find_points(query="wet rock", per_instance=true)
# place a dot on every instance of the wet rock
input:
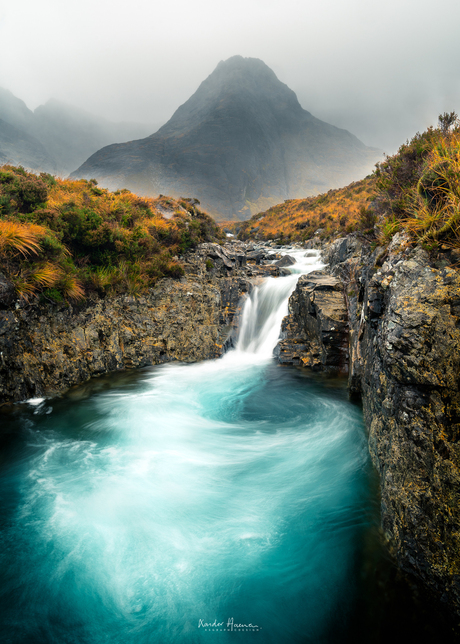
(405, 363)
(287, 260)
(315, 333)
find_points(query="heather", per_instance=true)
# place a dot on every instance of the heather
(66, 239)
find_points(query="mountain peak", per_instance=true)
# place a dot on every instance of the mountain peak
(247, 74)
(241, 143)
(244, 64)
(238, 87)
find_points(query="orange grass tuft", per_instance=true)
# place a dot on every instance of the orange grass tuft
(20, 238)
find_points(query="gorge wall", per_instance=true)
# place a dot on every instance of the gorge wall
(46, 348)
(398, 316)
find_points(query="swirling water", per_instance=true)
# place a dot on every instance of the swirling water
(186, 501)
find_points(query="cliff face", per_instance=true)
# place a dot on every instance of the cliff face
(46, 348)
(404, 344)
(315, 333)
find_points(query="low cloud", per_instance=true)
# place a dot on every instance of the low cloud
(382, 71)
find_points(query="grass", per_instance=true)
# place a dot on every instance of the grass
(419, 188)
(335, 213)
(20, 238)
(64, 239)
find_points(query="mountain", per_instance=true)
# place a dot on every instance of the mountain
(19, 148)
(56, 137)
(240, 144)
(71, 135)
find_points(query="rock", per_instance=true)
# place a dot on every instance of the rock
(217, 252)
(315, 333)
(404, 318)
(286, 260)
(256, 256)
(45, 349)
(411, 359)
(7, 292)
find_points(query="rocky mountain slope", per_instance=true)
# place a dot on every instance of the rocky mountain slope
(20, 148)
(56, 137)
(240, 144)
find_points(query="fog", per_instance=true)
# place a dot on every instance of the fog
(382, 70)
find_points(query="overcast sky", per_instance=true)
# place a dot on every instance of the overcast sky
(382, 70)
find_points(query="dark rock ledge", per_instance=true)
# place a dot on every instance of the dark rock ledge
(315, 333)
(45, 348)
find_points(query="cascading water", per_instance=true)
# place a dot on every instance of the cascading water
(268, 305)
(187, 500)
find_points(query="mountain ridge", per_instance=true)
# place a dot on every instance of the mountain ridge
(67, 135)
(241, 143)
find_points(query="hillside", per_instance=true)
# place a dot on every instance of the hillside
(240, 144)
(67, 240)
(416, 192)
(21, 148)
(336, 212)
(56, 137)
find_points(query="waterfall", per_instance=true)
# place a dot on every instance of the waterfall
(267, 305)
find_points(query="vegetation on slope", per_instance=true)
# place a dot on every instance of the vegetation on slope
(419, 187)
(63, 239)
(334, 213)
(416, 191)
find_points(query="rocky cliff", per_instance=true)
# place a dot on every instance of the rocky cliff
(46, 348)
(401, 317)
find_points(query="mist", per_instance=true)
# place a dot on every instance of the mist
(381, 70)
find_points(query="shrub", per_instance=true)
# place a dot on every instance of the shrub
(26, 190)
(420, 187)
(70, 237)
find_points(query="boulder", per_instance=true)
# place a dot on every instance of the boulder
(286, 260)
